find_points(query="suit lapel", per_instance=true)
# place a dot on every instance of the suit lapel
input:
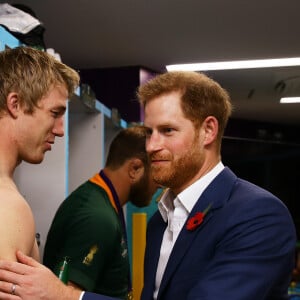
(154, 240)
(216, 194)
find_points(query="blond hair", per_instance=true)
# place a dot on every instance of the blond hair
(32, 73)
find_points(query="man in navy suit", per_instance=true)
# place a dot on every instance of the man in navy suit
(215, 236)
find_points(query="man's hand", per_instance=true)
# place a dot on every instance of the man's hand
(30, 280)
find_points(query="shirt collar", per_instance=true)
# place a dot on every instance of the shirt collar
(190, 195)
(166, 204)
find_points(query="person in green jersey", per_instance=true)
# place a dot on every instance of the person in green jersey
(89, 226)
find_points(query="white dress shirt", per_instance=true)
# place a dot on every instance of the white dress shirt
(175, 212)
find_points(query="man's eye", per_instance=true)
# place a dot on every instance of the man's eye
(55, 113)
(168, 130)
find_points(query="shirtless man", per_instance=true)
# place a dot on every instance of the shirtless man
(34, 88)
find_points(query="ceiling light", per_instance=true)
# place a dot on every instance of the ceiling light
(238, 64)
(290, 100)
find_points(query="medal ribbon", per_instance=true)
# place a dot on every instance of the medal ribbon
(104, 182)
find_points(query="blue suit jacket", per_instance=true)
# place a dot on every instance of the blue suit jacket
(243, 250)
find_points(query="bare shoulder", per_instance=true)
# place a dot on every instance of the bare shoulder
(12, 202)
(17, 228)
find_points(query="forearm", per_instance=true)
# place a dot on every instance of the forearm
(32, 281)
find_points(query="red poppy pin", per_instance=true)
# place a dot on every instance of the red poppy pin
(197, 219)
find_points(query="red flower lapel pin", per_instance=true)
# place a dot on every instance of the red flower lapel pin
(197, 219)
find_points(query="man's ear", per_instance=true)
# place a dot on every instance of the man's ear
(13, 104)
(135, 169)
(211, 129)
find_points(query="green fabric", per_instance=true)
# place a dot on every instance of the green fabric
(85, 222)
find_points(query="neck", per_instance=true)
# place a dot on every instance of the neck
(120, 182)
(206, 167)
(9, 155)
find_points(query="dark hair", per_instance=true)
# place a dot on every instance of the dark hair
(128, 143)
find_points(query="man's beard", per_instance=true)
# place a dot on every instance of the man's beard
(179, 171)
(140, 193)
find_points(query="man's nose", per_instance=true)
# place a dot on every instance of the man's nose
(153, 142)
(58, 128)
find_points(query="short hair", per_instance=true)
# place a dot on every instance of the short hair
(128, 143)
(32, 73)
(200, 96)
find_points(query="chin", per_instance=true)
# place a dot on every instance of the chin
(35, 160)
